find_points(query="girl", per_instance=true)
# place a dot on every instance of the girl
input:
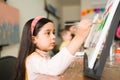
(66, 37)
(37, 40)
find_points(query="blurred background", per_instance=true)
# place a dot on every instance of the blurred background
(14, 14)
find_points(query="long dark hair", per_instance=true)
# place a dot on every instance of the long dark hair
(26, 45)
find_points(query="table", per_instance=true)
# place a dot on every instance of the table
(75, 72)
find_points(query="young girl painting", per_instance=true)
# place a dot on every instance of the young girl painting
(38, 38)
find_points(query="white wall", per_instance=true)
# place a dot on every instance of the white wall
(70, 13)
(27, 9)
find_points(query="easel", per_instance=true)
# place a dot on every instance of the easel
(97, 70)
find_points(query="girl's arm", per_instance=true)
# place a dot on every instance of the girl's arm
(82, 32)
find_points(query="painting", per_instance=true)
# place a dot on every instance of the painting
(9, 24)
(97, 37)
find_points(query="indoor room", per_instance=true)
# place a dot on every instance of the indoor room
(85, 32)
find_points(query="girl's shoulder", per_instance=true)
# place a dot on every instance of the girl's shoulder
(33, 56)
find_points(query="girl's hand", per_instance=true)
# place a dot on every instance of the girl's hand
(83, 28)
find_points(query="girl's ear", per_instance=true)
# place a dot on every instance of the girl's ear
(34, 39)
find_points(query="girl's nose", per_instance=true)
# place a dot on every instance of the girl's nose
(53, 36)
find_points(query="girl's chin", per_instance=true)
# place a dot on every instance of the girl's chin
(52, 47)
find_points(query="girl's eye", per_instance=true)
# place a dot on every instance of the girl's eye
(54, 32)
(48, 33)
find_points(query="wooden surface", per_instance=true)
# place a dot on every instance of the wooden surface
(75, 72)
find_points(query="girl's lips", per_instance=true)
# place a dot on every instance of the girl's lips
(53, 43)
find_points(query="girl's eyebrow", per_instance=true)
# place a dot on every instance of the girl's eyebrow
(47, 30)
(50, 30)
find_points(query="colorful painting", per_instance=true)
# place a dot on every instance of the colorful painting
(99, 32)
(9, 24)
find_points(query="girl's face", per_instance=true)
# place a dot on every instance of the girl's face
(45, 39)
(72, 29)
(67, 36)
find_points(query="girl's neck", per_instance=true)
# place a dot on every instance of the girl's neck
(42, 53)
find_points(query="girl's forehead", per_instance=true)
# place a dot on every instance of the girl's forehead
(48, 26)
